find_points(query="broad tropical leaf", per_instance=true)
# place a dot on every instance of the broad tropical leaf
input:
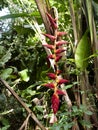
(83, 52)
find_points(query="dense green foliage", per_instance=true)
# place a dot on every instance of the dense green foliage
(23, 64)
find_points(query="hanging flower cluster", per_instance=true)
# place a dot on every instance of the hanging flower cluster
(56, 49)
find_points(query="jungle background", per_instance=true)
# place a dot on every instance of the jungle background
(24, 65)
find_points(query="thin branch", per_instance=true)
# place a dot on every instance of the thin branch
(22, 103)
(25, 123)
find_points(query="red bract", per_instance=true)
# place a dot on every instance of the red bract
(61, 81)
(49, 85)
(61, 33)
(60, 92)
(52, 21)
(49, 46)
(51, 75)
(55, 55)
(58, 72)
(51, 37)
(59, 51)
(58, 58)
(51, 56)
(59, 43)
(55, 103)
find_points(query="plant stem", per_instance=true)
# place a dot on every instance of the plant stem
(22, 103)
(84, 87)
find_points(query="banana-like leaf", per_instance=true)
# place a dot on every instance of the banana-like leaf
(19, 15)
(83, 52)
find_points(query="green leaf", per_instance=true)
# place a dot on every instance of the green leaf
(83, 108)
(24, 75)
(85, 123)
(88, 113)
(83, 52)
(39, 108)
(6, 73)
(30, 93)
(74, 108)
(56, 127)
(70, 85)
(5, 58)
(67, 126)
(5, 121)
(5, 127)
(1, 50)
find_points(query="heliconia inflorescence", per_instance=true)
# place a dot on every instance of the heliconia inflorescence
(56, 48)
